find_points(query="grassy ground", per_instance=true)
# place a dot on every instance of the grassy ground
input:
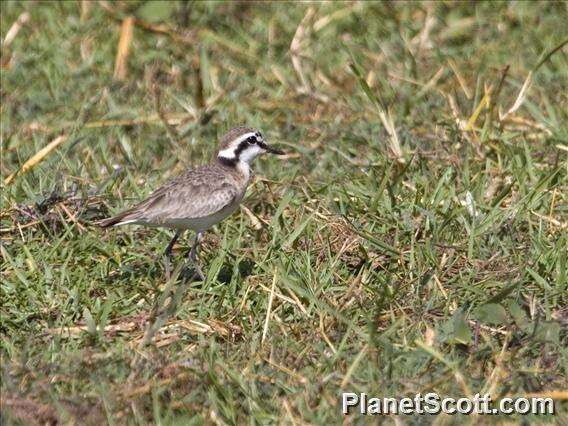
(413, 240)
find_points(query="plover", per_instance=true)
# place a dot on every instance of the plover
(198, 199)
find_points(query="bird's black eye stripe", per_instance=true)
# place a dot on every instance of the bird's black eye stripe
(251, 140)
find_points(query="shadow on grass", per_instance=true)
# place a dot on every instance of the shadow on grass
(245, 268)
(156, 271)
(135, 271)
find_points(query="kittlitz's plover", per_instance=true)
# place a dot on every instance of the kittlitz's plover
(198, 199)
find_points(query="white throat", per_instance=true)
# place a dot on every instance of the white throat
(250, 153)
(244, 168)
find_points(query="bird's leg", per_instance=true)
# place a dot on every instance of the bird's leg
(168, 252)
(193, 256)
(170, 246)
(193, 252)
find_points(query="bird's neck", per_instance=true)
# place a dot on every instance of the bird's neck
(236, 164)
(228, 161)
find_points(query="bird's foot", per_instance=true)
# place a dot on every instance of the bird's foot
(192, 272)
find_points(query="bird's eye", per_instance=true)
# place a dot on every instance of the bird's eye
(251, 140)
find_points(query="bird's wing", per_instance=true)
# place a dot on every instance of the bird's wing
(190, 201)
(193, 194)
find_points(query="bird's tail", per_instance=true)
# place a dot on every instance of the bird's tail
(115, 220)
(105, 223)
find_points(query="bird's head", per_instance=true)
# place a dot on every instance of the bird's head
(243, 144)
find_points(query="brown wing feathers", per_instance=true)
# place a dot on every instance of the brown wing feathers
(194, 193)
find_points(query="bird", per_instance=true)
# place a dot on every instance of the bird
(199, 198)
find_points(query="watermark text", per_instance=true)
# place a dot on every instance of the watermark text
(432, 403)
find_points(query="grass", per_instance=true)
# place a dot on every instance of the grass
(413, 240)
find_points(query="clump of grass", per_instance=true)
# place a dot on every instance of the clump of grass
(413, 239)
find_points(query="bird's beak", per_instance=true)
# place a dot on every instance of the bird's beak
(273, 150)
